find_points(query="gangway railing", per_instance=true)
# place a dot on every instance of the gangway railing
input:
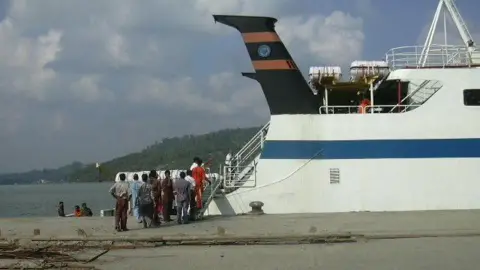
(209, 193)
(245, 177)
(243, 163)
(439, 56)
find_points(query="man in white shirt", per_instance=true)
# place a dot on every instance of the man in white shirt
(228, 159)
(195, 163)
(190, 179)
(122, 193)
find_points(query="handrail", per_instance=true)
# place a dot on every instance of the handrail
(440, 56)
(421, 86)
(216, 183)
(235, 171)
(258, 135)
(240, 178)
(434, 89)
(376, 109)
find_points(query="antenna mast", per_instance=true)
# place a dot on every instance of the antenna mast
(450, 7)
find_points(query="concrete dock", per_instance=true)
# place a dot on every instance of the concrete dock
(448, 236)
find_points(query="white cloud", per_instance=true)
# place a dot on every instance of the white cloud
(451, 32)
(87, 89)
(336, 39)
(24, 66)
(69, 67)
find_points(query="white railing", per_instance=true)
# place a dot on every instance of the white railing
(210, 192)
(339, 109)
(422, 94)
(388, 108)
(251, 149)
(419, 94)
(240, 176)
(438, 56)
(242, 164)
(369, 109)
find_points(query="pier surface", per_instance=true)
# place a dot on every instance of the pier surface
(407, 240)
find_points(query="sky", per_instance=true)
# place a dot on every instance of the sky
(87, 80)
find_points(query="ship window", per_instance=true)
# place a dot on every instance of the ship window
(471, 97)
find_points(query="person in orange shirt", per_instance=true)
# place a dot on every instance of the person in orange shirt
(77, 212)
(363, 105)
(198, 173)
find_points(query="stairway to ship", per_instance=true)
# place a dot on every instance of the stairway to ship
(239, 174)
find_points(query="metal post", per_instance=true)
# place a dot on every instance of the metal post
(431, 33)
(371, 97)
(261, 139)
(399, 93)
(97, 166)
(326, 100)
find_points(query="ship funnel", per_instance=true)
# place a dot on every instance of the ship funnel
(247, 24)
(250, 75)
(282, 83)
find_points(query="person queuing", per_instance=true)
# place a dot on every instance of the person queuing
(146, 202)
(182, 192)
(167, 196)
(200, 177)
(135, 187)
(121, 192)
(193, 205)
(157, 194)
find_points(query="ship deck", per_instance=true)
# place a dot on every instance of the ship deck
(427, 233)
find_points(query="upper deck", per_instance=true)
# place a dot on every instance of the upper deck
(434, 56)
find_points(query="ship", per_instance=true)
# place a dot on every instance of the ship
(400, 134)
(415, 145)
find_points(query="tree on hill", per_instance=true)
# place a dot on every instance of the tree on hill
(33, 176)
(172, 153)
(169, 153)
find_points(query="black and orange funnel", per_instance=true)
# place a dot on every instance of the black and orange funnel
(284, 87)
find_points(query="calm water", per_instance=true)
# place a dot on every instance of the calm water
(41, 200)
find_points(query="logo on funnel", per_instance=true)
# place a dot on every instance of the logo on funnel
(264, 51)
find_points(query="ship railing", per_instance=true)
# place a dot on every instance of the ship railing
(438, 56)
(210, 193)
(251, 149)
(239, 176)
(369, 109)
(242, 164)
(421, 94)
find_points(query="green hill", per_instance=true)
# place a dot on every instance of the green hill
(170, 153)
(34, 176)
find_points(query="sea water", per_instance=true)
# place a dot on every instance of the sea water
(42, 200)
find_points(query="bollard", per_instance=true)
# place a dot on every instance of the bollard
(256, 208)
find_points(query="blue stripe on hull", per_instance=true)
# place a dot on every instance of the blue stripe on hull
(373, 149)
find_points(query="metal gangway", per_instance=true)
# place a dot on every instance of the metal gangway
(239, 173)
